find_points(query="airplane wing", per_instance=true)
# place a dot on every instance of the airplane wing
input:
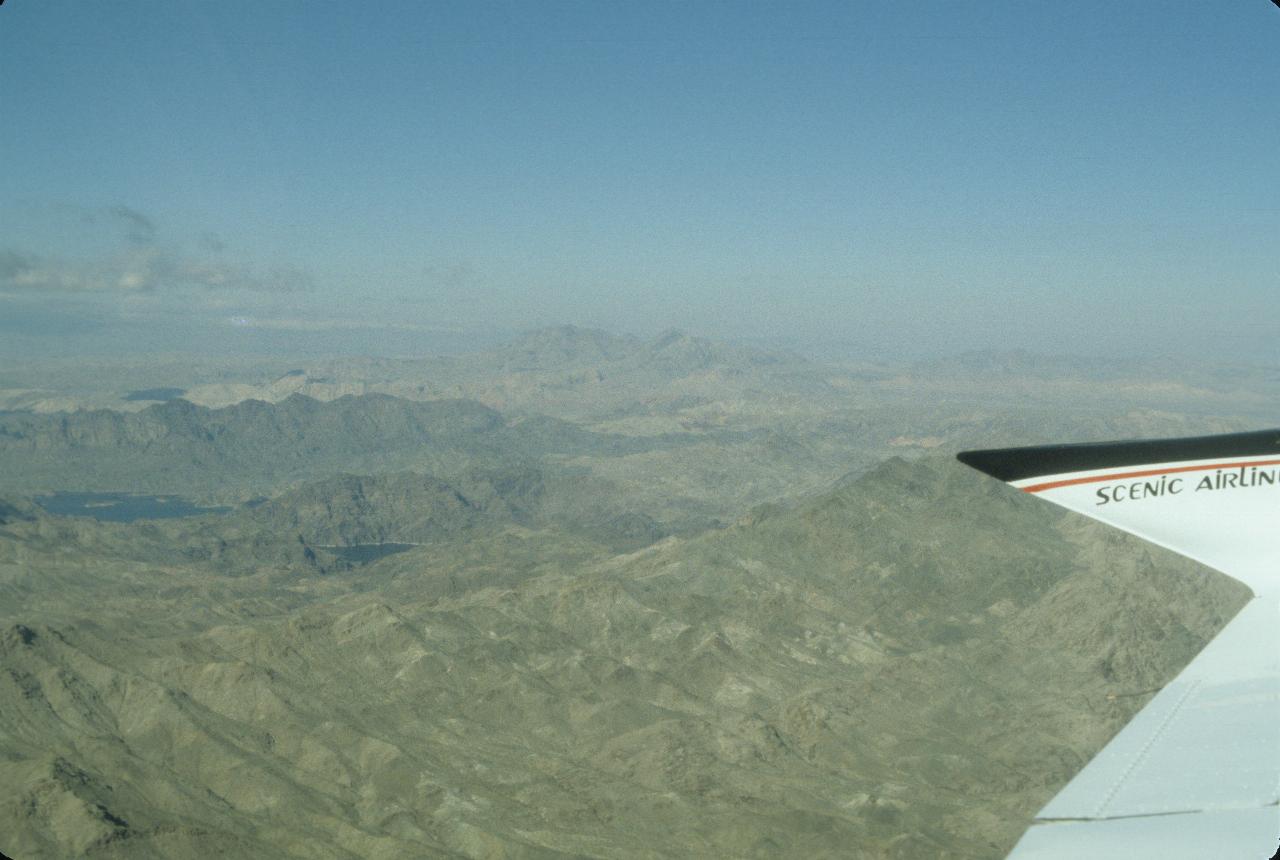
(1196, 774)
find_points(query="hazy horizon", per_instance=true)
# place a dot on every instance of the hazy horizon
(852, 180)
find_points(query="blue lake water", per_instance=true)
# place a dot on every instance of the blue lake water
(362, 553)
(122, 507)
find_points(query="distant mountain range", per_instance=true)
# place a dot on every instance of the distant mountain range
(575, 366)
(254, 447)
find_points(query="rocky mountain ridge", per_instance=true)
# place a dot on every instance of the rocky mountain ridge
(253, 446)
(909, 663)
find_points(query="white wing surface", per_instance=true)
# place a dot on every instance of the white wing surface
(1196, 774)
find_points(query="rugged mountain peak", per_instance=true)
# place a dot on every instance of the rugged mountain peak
(549, 348)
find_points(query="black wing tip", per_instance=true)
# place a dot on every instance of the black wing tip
(999, 463)
(1015, 464)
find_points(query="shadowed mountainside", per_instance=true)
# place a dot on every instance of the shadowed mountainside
(412, 508)
(254, 446)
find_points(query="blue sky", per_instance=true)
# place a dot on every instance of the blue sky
(901, 178)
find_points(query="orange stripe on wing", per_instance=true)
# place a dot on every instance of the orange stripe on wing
(1120, 476)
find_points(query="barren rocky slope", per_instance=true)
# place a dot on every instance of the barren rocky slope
(905, 666)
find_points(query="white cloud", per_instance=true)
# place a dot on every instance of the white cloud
(319, 325)
(140, 264)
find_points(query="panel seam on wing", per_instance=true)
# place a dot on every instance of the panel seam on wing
(1069, 819)
(1146, 748)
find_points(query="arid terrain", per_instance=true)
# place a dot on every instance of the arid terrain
(584, 595)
